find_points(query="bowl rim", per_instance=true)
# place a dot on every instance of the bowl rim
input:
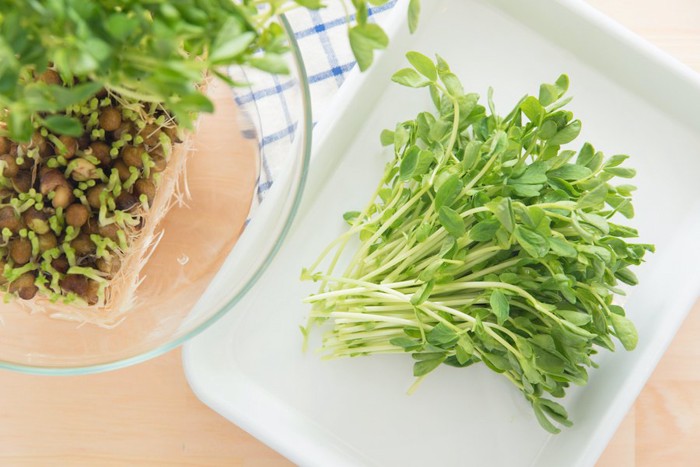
(306, 135)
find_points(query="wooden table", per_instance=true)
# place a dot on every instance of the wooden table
(147, 415)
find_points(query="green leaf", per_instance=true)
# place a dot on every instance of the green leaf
(570, 172)
(464, 350)
(500, 306)
(615, 160)
(406, 343)
(387, 137)
(567, 134)
(442, 336)
(452, 83)
(448, 192)
(471, 155)
(624, 330)
(310, 4)
(64, 125)
(575, 317)
(627, 276)
(20, 125)
(422, 294)
(532, 109)
(413, 15)
(423, 367)
(78, 94)
(364, 40)
(410, 77)
(620, 172)
(556, 411)
(534, 174)
(561, 247)
(228, 46)
(535, 244)
(351, 216)
(485, 230)
(423, 65)
(503, 210)
(544, 421)
(121, 26)
(593, 198)
(451, 221)
(585, 155)
(271, 63)
(548, 94)
(409, 163)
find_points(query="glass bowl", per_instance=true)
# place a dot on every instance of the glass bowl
(244, 181)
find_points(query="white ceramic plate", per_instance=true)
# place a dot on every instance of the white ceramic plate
(631, 98)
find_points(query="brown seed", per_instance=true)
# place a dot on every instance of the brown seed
(43, 170)
(126, 201)
(4, 145)
(9, 219)
(24, 286)
(38, 221)
(77, 215)
(150, 134)
(109, 265)
(110, 119)
(47, 241)
(10, 167)
(84, 141)
(50, 77)
(27, 162)
(123, 170)
(13, 149)
(50, 179)
(124, 128)
(109, 231)
(6, 194)
(76, 283)
(91, 226)
(93, 195)
(83, 170)
(101, 151)
(40, 143)
(131, 155)
(60, 264)
(159, 163)
(63, 196)
(71, 145)
(22, 182)
(91, 295)
(172, 133)
(82, 245)
(20, 250)
(145, 187)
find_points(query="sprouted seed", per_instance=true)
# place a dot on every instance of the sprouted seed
(70, 205)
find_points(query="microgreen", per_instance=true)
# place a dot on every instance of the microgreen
(487, 241)
(148, 50)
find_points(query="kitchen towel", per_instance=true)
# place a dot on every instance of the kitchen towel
(270, 106)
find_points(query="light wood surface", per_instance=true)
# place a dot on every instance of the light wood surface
(146, 415)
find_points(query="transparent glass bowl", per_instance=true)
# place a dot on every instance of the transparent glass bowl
(245, 180)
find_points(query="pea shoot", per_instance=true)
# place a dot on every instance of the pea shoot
(487, 240)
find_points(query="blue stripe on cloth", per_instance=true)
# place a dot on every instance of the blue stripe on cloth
(279, 134)
(262, 93)
(326, 44)
(340, 21)
(339, 70)
(285, 107)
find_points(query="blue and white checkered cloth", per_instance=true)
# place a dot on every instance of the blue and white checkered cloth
(323, 41)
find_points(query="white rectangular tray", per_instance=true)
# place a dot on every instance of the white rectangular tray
(632, 99)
